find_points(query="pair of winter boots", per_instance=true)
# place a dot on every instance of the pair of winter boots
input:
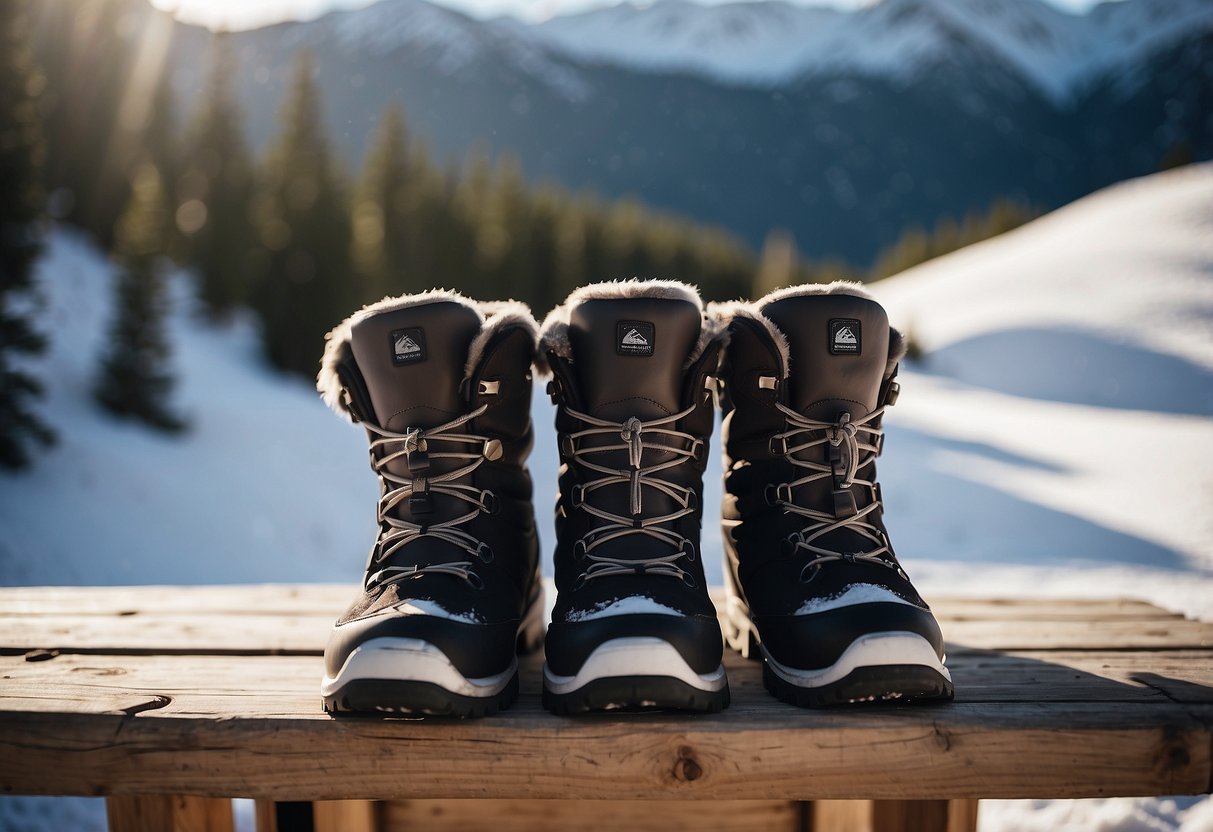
(452, 592)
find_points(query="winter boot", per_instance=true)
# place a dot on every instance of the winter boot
(633, 625)
(811, 579)
(452, 592)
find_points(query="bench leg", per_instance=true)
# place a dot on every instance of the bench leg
(893, 815)
(169, 813)
(321, 816)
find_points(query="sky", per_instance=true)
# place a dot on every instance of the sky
(248, 14)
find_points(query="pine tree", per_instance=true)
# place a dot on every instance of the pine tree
(135, 380)
(21, 204)
(215, 191)
(383, 213)
(108, 105)
(304, 286)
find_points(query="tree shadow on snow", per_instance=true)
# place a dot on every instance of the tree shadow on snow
(937, 514)
(1076, 367)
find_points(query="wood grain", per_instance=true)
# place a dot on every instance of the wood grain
(331, 599)
(1054, 699)
(256, 686)
(300, 634)
(961, 750)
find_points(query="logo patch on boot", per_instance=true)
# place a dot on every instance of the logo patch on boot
(845, 337)
(408, 345)
(634, 338)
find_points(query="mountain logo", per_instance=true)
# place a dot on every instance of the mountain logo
(634, 337)
(408, 345)
(845, 336)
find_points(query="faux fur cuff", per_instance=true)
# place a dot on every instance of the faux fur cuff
(495, 317)
(554, 335)
(726, 312)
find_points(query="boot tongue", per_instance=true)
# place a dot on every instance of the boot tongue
(839, 347)
(629, 353)
(412, 360)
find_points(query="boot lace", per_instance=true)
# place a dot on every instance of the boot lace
(850, 445)
(414, 447)
(636, 437)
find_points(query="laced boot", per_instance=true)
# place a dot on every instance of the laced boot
(813, 586)
(633, 625)
(451, 593)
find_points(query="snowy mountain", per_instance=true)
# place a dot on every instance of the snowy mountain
(772, 42)
(843, 128)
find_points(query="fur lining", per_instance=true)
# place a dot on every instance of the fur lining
(726, 312)
(554, 334)
(499, 315)
(495, 316)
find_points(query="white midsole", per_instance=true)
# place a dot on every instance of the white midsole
(417, 660)
(635, 656)
(873, 650)
(411, 660)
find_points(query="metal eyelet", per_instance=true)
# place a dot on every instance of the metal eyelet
(815, 569)
(688, 551)
(475, 580)
(698, 450)
(489, 502)
(689, 580)
(580, 551)
(493, 450)
(778, 446)
(579, 582)
(576, 495)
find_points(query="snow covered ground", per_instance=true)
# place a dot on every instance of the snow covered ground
(1056, 440)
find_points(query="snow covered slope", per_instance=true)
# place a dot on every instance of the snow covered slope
(774, 41)
(1060, 429)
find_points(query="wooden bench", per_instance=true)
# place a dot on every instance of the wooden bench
(171, 701)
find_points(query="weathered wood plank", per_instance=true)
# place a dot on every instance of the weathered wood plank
(277, 686)
(330, 599)
(504, 815)
(961, 750)
(169, 813)
(239, 634)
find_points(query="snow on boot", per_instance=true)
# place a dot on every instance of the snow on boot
(811, 579)
(633, 625)
(452, 592)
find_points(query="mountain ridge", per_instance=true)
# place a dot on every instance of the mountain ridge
(774, 42)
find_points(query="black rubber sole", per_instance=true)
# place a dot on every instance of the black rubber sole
(636, 693)
(388, 697)
(879, 684)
